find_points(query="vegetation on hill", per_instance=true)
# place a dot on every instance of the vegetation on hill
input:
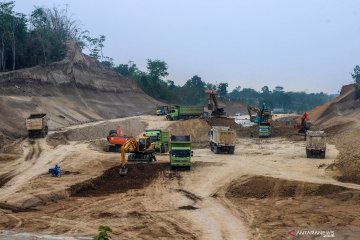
(41, 37)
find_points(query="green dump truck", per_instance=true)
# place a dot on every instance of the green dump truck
(264, 130)
(160, 138)
(185, 112)
(180, 152)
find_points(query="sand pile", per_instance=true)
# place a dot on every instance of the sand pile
(198, 129)
(267, 187)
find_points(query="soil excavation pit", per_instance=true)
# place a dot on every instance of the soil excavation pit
(139, 176)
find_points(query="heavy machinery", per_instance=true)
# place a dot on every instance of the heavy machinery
(262, 118)
(141, 150)
(180, 152)
(116, 139)
(185, 112)
(315, 144)
(304, 126)
(213, 105)
(162, 110)
(36, 125)
(160, 138)
(55, 171)
(222, 139)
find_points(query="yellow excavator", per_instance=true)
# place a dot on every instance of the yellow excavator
(141, 150)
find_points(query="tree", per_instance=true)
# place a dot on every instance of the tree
(194, 90)
(234, 95)
(157, 68)
(222, 91)
(356, 77)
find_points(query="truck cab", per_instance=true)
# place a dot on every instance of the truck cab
(264, 130)
(180, 152)
(162, 110)
(315, 144)
(160, 138)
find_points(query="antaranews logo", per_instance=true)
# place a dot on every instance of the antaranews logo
(292, 233)
(301, 232)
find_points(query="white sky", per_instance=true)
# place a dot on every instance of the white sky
(302, 45)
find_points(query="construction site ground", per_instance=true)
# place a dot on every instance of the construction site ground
(263, 191)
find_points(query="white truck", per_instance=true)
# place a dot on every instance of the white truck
(36, 125)
(315, 144)
(222, 139)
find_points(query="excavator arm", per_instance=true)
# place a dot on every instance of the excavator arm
(130, 145)
(255, 110)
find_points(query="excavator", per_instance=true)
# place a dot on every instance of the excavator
(141, 150)
(262, 118)
(213, 105)
(305, 123)
(262, 115)
(116, 139)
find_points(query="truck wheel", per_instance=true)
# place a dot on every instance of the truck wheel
(308, 153)
(323, 155)
(216, 150)
(188, 168)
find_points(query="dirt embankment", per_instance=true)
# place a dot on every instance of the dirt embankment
(340, 119)
(272, 207)
(75, 90)
(279, 128)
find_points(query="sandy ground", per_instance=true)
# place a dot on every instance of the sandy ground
(207, 202)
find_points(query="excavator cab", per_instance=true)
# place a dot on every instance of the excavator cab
(144, 143)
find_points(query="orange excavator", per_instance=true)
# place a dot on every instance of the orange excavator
(141, 150)
(305, 123)
(116, 139)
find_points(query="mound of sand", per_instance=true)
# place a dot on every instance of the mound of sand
(340, 119)
(75, 90)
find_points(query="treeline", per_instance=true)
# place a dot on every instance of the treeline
(41, 37)
(152, 81)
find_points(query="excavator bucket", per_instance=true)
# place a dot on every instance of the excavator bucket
(123, 171)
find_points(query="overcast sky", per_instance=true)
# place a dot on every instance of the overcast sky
(302, 45)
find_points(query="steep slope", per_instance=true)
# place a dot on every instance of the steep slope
(75, 90)
(340, 119)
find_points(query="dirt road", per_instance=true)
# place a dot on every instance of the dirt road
(154, 202)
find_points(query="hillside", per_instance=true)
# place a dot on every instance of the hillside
(340, 119)
(75, 90)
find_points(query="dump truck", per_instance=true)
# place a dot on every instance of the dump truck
(185, 112)
(162, 110)
(264, 130)
(36, 125)
(160, 138)
(315, 144)
(180, 152)
(116, 139)
(222, 139)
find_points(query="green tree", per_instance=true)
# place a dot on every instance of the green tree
(356, 77)
(157, 68)
(222, 91)
(104, 233)
(194, 91)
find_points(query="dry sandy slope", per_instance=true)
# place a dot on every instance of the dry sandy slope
(75, 90)
(340, 119)
(165, 204)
